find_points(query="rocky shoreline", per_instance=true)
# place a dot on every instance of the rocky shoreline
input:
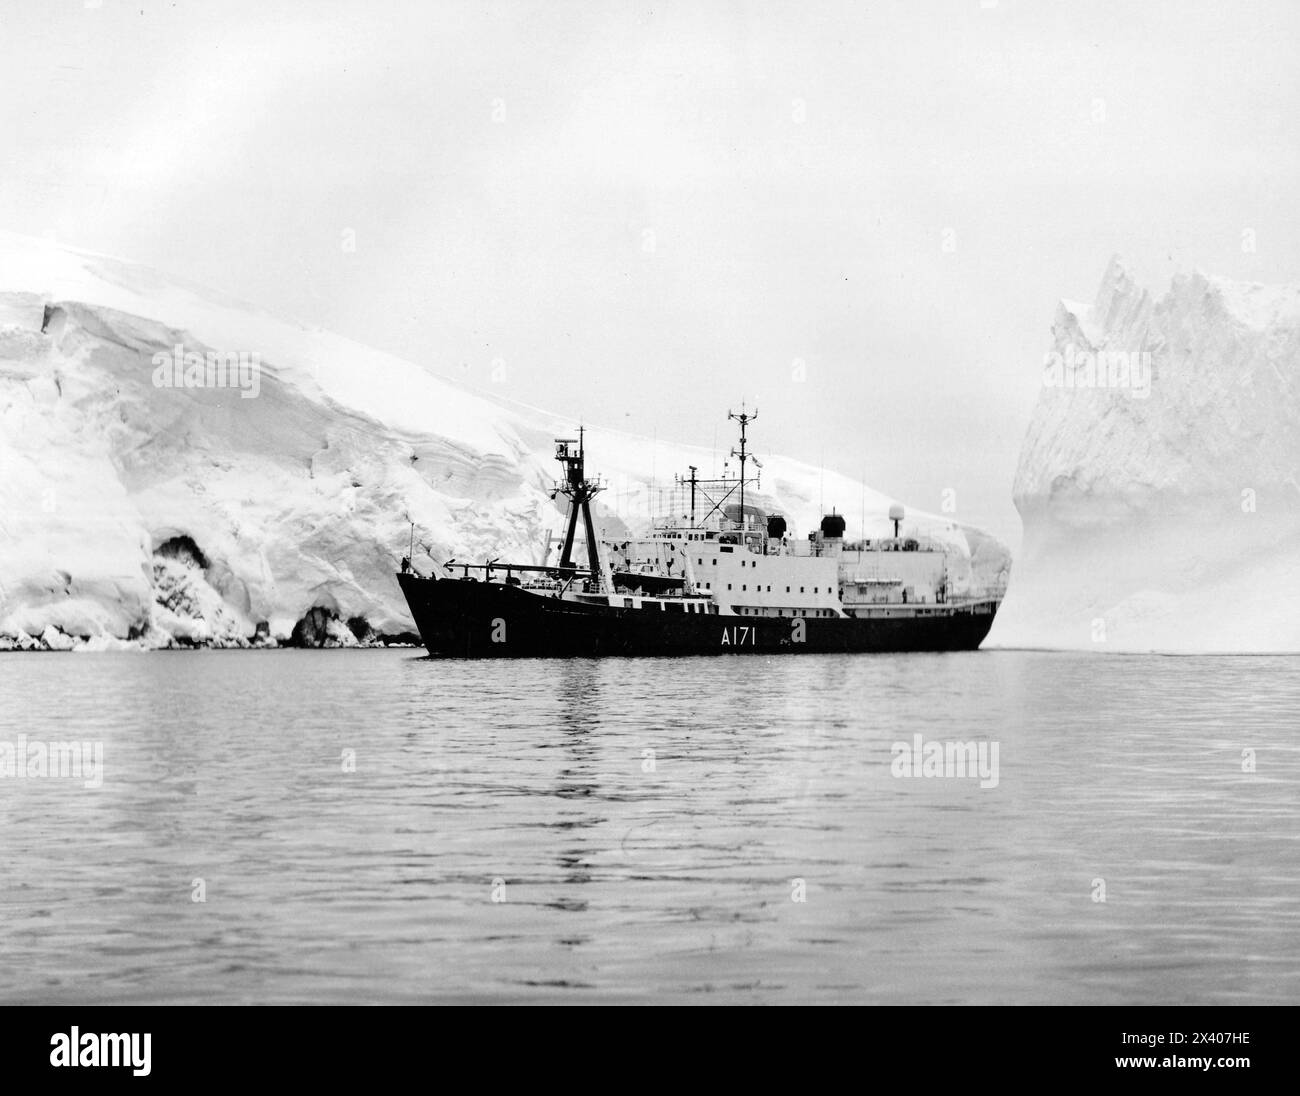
(318, 629)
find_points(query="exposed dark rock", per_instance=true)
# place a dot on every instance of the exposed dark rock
(183, 548)
(402, 639)
(313, 629)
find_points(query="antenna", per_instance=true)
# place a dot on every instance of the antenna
(650, 495)
(744, 418)
(863, 534)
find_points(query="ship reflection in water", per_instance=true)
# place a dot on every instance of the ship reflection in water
(653, 829)
(578, 816)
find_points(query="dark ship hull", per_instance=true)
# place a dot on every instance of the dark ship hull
(466, 618)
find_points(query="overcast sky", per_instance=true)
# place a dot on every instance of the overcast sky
(645, 213)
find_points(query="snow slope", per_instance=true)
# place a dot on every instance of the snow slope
(156, 515)
(1162, 511)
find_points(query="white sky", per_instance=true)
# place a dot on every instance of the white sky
(797, 168)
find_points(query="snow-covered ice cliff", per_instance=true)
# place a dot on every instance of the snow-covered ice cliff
(1159, 482)
(273, 499)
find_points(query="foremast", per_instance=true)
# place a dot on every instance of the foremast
(579, 490)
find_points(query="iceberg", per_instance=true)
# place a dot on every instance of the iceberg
(1159, 481)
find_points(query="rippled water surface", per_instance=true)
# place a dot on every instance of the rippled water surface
(635, 830)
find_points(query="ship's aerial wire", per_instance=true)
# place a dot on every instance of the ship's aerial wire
(821, 483)
(863, 535)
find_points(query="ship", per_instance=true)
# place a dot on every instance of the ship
(714, 576)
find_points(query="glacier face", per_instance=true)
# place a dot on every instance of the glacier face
(138, 509)
(1159, 482)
